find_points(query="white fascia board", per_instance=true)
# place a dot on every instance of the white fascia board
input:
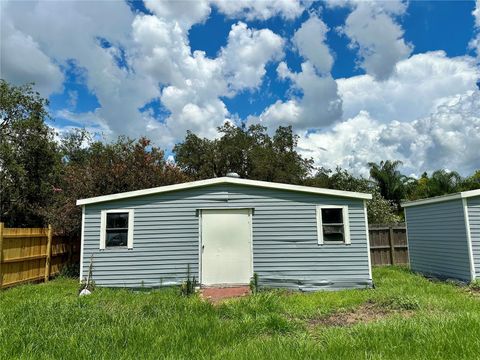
(436, 199)
(225, 180)
(432, 200)
(469, 238)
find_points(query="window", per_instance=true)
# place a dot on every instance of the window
(333, 225)
(116, 229)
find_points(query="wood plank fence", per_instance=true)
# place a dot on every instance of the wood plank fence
(388, 244)
(33, 254)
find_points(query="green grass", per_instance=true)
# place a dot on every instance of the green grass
(49, 321)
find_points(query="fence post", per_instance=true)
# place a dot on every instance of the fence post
(392, 245)
(1, 253)
(49, 253)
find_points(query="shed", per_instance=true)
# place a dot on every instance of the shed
(444, 235)
(224, 230)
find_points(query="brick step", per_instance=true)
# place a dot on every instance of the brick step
(216, 294)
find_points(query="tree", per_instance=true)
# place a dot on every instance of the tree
(441, 182)
(444, 182)
(94, 168)
(196, 157)
(379, 210)
(250, 152)
(29, 157)
(391, 182)
(472, 182)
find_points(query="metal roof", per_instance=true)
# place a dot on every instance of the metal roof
(442, 198)
(224, 180)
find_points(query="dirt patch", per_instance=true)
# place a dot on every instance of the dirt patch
(217, 295)
(366, 313)
(474, 291)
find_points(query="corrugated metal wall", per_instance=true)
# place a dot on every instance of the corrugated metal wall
(285, 249)
(437, 239)
(474, 220)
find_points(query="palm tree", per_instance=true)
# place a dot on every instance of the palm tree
(444, 182)
(390, 180)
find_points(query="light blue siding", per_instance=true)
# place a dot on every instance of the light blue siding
(437, 239)
(473, 204)
(285, 248)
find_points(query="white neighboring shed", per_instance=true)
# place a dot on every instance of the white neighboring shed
(444, 235)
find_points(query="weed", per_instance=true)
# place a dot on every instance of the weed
(187, 287)
(475, 285)
(254, 284)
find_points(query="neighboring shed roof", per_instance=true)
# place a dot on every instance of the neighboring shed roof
(436, 199)
(225, 180)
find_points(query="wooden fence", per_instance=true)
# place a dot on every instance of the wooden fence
(388, 244)
(33, 254)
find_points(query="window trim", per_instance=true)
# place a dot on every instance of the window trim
(103, 228)
(346, 225)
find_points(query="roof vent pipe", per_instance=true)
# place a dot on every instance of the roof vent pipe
(233, 175)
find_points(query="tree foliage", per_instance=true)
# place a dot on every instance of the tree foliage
(29, 157)
(391, 182)
(251, 152)
(94, 168)
(379, 209)
(441, 182)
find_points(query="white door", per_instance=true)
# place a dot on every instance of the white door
(226, 247)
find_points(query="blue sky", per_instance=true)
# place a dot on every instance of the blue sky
(359, 81)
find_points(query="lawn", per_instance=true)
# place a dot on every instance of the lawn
(406, 316)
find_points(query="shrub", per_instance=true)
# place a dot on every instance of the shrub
(70, 271)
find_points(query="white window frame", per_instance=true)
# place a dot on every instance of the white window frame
(346, 224)
(103, 227)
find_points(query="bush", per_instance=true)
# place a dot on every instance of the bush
(70, 271)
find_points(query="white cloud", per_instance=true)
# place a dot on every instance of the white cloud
(310, 40)
(185, 13)
(319, 106)
(475, 42)
(372, 28)
(476, 14)
(413, 91)
(246, 54)
(119, 92)
(194, 82)
(262, 10)
(350, 144)
(23, 61)
(88, 119)
(280, 113)
(447, 138)
(427, 115)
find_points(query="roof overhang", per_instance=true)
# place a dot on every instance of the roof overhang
(437, 199)
(225, 180)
